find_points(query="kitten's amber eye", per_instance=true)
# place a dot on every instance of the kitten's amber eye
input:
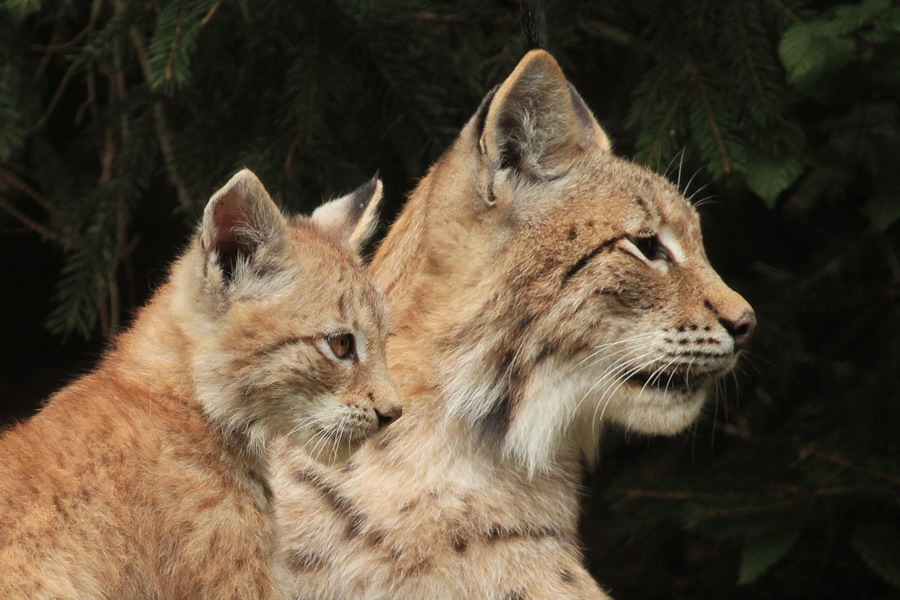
(343, 345)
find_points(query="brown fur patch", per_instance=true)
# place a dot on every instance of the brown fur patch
(302, 561)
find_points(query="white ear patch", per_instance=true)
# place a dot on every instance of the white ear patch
(351, 219)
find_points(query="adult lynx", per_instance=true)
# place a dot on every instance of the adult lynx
(542, 288)
(148, 477)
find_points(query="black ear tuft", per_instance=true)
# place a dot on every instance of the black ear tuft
(534, 24)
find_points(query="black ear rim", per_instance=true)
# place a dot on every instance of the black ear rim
(362, 197)
(481, 115)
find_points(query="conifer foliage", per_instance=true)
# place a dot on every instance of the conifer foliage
(779, 118)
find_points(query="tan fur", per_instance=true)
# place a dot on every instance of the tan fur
(527, 321)
(148, 477)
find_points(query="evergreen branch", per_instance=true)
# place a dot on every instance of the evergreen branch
(402, 96)
(165, 137)
(91, 100)
(438, 18)
(112, 290)
(163, 133)
(774, 502)
(710, 115)
(66, 46)
(787, 11)
(22, 8)
(54, 102)
(30, 223)
(173, 49)
(174, 39)
(13, 181)
(750, 509)
(839, 460)
(751, 63)
(679, 495)
(397, 90)
(617, 36)
(210, 14)
(663, 127)
(107, 156)
(796, 494)
(103, 314)
(646, 107)
(83, 290)
(889, 254)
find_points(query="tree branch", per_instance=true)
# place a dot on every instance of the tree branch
(30, 223)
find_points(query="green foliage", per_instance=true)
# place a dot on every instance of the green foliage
(174, 40)
(89, 269)
(761, 550)
(878, 544)
(119, 119)
(847, 61)
(12, 134)
(719, 92)
(179, 94)
(768, 175)
(816, 52)
(19, 9)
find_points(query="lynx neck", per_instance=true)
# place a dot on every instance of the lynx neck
(155, 352)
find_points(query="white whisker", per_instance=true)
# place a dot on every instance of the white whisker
(613, 370)
(610, 392)
(596, 350)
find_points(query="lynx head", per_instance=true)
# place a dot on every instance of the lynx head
(287, 331)
(572, 286)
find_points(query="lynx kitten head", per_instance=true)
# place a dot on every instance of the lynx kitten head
(287, 331)
(581, 292)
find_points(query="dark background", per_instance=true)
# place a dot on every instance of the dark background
(119, 119)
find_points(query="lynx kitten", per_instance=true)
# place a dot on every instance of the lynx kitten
(147, 478)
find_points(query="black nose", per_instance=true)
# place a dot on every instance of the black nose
(388, 417)
(742, 328)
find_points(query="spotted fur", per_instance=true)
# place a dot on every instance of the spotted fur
(148, 478)
(543, 289)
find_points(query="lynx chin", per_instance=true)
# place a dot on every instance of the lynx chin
(148, 477)
(542, 290)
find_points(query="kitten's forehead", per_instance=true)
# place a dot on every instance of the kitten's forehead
(339, 277)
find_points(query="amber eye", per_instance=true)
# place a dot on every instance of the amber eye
(650, 247)
(343, 345)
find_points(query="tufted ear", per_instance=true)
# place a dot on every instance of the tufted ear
(241, 224)
(536, 122)
(351, 219)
